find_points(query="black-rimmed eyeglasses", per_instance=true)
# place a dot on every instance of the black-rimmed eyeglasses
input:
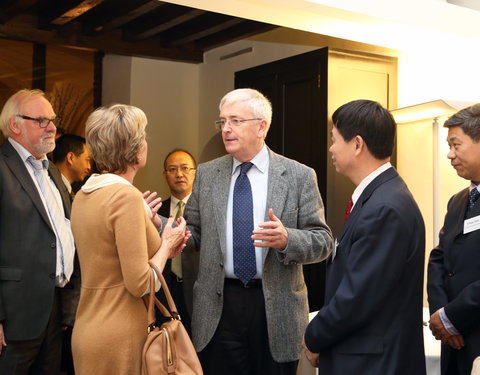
(43, 122)
(219, 124)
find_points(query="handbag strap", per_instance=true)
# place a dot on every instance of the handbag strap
(171, 312)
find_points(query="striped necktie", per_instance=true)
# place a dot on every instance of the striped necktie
(54, 205)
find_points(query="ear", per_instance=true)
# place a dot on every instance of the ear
(359, 144)
(14, 127)
(263, 129)
(69, 158)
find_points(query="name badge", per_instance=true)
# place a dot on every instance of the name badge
(334, 252)
(471, 225)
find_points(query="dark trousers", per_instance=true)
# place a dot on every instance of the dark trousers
(240, 344)
(40, 356)
(176, 289)
(67, 359)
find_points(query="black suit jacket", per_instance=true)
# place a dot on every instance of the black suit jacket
(27, 249)
(454, 279)
(371, 322)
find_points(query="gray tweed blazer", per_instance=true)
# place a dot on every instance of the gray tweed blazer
(294, 197)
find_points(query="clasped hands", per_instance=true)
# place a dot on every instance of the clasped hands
(440, 333)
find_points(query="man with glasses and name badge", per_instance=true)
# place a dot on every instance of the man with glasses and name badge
(181, 271)
(36, 243)
(255, 218)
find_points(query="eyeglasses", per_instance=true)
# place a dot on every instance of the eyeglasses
(219, 124)
(43, 122)
(184, 169)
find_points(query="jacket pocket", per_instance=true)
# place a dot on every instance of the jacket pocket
(10, 274)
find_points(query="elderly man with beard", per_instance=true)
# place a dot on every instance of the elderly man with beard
(36, 243)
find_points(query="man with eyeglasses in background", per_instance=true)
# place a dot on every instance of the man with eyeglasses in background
(255, 218)
(36, 243)
(180, 272)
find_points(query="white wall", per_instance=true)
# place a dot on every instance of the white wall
(168, 94)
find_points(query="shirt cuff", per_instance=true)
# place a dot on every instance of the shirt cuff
(157, 283)
(447, 323)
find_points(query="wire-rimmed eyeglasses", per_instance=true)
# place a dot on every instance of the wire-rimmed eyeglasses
(42, 121)
(184, 169)
(219, 124)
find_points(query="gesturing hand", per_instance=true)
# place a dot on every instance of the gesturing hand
(271, 233)
(154, 203)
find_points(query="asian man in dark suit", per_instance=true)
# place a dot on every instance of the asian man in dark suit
(371, 322)
(180, 273)
(454, 266)
(255, 217)
(36, 244)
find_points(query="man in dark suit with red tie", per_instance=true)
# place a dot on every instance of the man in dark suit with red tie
(371, 322)
(454, 266)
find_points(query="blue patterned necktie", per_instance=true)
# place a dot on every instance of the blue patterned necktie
(472, 198)
(244, 264)
(66, 250)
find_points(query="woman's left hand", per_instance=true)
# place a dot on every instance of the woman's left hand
(154, 203)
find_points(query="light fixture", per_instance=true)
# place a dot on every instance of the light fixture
(431, 111)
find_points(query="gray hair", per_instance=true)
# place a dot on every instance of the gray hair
(13, 107)
(258, 104)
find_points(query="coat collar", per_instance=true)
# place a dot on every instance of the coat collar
(389, 174)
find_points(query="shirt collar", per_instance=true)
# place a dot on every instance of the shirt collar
(366, 181)
(24, 153)
(174, 200)
(260, 160)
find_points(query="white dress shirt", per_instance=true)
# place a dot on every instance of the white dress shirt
(258, 176)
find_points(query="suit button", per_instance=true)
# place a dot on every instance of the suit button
(221, 265)
(219, 293)
(52, 245)
(451, 274)
(52, 276)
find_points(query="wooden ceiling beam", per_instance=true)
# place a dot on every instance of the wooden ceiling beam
(106, 43)
(129, 16)
(12, 10)
(193, 36)
(194, 13)
(249, 28)
(76, 12)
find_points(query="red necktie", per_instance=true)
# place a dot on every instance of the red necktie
(349, 209)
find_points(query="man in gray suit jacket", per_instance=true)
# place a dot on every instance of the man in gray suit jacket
(34, 274)
(371, 322)
(253, 325)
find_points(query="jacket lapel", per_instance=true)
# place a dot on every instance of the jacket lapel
(221, 189)
(277, 186)
(16, 165)
(364, 197)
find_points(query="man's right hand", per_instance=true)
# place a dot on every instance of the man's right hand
(2, 339)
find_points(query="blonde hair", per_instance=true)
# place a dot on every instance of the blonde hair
(115, 135)
(13, 107)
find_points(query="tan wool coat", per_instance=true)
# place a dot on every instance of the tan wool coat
(115, 238)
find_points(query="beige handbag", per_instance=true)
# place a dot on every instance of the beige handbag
(168, 349)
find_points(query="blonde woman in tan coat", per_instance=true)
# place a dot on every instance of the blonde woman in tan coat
(115, 239)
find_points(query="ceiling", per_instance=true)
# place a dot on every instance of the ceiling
(147, 28)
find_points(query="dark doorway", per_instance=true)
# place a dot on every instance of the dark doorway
(297, 88)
